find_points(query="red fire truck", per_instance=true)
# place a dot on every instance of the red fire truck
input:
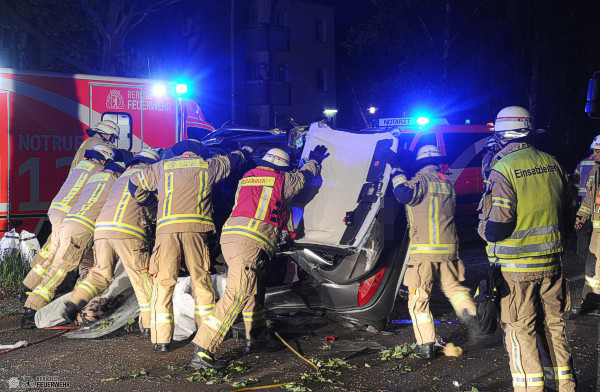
(43, 117)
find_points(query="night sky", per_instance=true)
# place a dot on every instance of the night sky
(453, 58)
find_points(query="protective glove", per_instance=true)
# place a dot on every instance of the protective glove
(248, 148)
(318, 154)
(247, 151)
(391, 158)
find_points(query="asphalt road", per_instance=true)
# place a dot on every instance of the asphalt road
(107, 364)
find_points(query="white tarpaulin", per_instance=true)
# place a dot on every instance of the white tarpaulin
(320, 210)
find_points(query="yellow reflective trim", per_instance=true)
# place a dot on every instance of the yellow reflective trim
(202, 191)
(249, 232)
(501, 199)
(38, 269)
(92, 200)
(82, 220)
(83, 165)
(75, 189)
(585, 210)
(501, 205)
(147, 284)
(398, 180)
(185, 164)
(263, 204)
(436, 220)
(516, 353)
(168, 194)
(184, 218)
(257, 181)
(163, 318)
(440, 187)
(213, 323)
(143, 182)
(459, 298)
(123, 202)
(203, 310)
(42, 292)
(424, 318)
(99, 177)
(591, 282)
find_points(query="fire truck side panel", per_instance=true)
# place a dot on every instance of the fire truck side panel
(4, 159)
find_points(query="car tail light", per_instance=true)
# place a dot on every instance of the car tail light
(369, 287)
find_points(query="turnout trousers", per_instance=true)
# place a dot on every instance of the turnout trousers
(40, 267)
(243, 294)
(169, 249)
(419, 278)
(590, 293)
(74, 242)
(531, 316)
(135, 257)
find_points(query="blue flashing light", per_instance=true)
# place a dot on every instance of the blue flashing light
(467, 121)
(181, 88)
(422, 121)
(159, 90)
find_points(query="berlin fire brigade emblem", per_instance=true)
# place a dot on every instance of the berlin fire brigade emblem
(114, 100)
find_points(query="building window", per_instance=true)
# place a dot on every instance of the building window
(280, 18)
(253, 120)
(320, 30)
(282, 72)
(251, 17)
(321, 76)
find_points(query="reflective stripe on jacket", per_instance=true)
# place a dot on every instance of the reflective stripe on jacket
(431, 215)
(537, 184)
(70, 191)
(121, 216)
(260, 196)
(583, 173)
(90, 203)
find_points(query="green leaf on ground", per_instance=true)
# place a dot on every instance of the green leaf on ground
(244, 383)
(402, 369)
(400, 351)
(113, 379)
(296, 387)
(139, 373)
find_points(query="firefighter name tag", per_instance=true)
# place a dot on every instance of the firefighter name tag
(186, 164)
(258, 181)
(99, 177)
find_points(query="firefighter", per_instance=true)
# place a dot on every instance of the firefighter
(589, 216)
(581, 178)
(491, 148)
(261, 212)
(521, 222)
(76, 235)
(122, 231)
(106, 132)
(184, 221)
(68, 195)
(433, 254)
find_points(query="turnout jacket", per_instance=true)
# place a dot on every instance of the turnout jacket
(87, 144)
(430, 203)
(70, 191)
(522, 212)
(184, 185)
(582, 175)
(250, 231)
(121, 216)
(93, 196)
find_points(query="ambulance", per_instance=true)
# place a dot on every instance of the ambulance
(43, 118)
(462, 145)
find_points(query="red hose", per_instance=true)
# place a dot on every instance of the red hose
(36, 342)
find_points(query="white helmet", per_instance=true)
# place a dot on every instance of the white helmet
(513, 122)
(596, 143)
(277, 157)
(148, 153)
(108, 127)
(107, 152)
(428, 151)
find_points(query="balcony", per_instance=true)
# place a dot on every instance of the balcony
(267, 37)
(257, 92)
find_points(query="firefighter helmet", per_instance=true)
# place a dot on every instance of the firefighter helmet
(428, 151)
(277, 157)
(513, 122)
(148, 153)
(108, 153)
(108, 127)
(596, 143)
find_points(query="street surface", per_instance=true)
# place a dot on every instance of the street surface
(115, 362)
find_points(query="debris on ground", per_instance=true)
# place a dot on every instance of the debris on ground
(400, 351)
(402, 369)
(450, 350)
(129, 325)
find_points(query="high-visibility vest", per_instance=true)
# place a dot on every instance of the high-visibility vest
(260, 196)
(583, 170)
(538, 181)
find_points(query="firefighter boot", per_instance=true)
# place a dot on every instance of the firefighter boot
(202, 359)
(24, 294)
(424, 351)
(163, 348)
(475, 334)
(263, 345)
(28, 320)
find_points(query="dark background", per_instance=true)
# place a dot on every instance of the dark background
(460, 59)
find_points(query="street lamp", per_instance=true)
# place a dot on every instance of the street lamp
(330, 114)
(372, 109)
